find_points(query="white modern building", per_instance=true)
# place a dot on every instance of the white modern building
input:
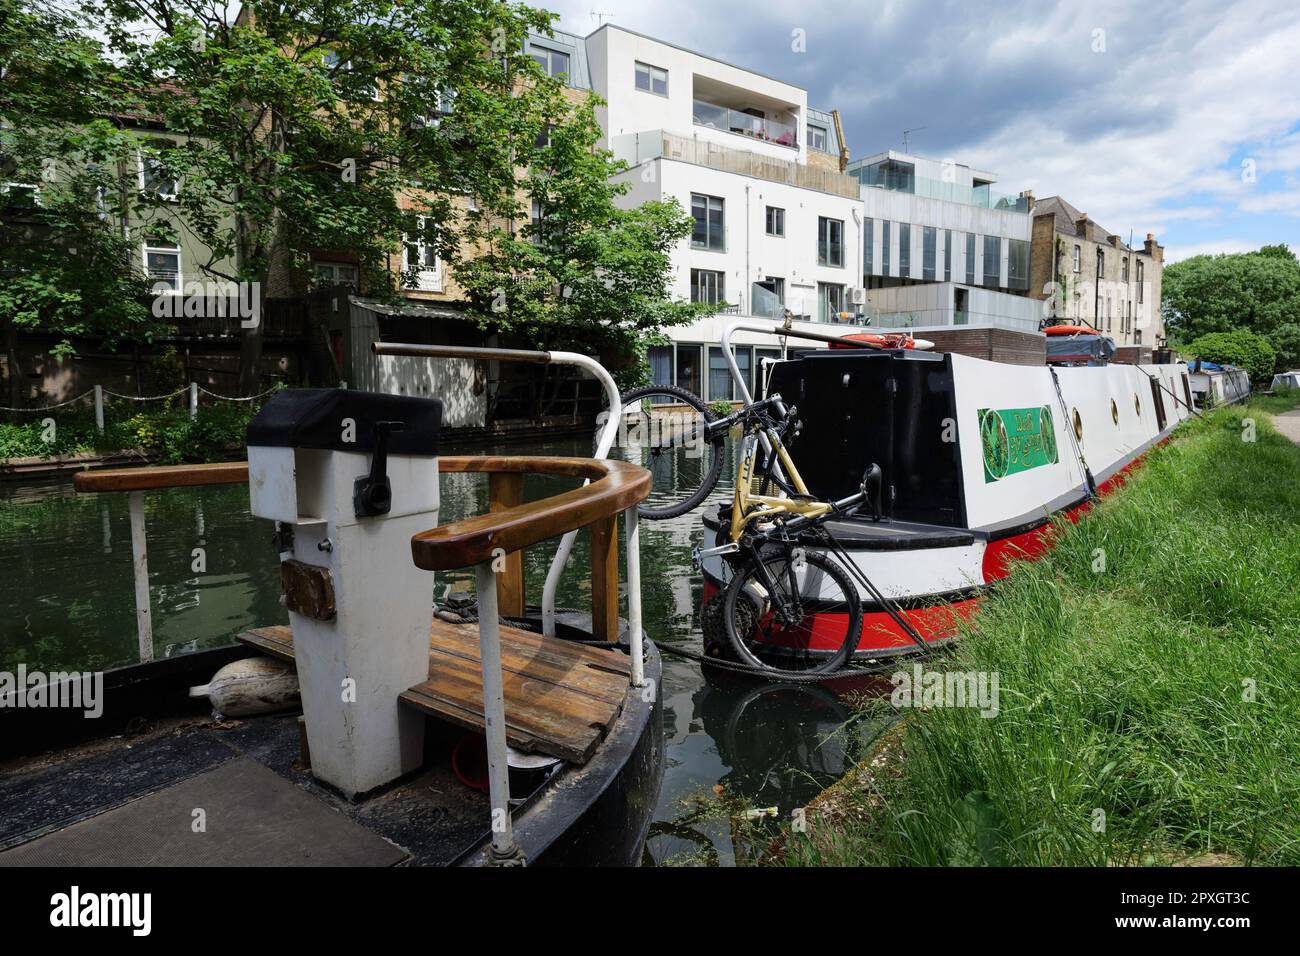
(942, 248)
(778, 225)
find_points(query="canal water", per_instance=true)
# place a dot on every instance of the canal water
(741, 754)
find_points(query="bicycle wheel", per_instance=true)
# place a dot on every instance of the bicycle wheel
(822, 619)
(663, 431)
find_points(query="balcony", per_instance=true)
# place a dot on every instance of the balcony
(636, 148)
(712, 116)
(902, 180)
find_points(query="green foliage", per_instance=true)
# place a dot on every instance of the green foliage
(1240, 348)
(1255, 291)
(1163, 690)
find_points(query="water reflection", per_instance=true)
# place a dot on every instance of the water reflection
(736, 748)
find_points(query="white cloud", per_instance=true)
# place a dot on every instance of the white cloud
(1209, 248)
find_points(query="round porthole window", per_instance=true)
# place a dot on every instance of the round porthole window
(1137, 404)
(1078, 425)
(1114, 412)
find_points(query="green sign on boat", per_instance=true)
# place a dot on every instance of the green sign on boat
(1015, 440)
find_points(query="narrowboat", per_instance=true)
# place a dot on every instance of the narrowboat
(1214, 385)
(978, 459)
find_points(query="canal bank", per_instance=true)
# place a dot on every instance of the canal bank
(1148, 706)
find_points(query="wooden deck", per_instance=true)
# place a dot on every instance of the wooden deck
(560, 697)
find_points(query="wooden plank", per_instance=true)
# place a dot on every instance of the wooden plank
(162, 476)
(505, 491)
(604, 579)
(276, 640)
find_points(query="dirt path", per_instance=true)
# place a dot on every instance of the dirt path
(1288, 423)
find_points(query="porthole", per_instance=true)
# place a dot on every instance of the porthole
(1078, 425)
(1114, 412)
(1137, 404)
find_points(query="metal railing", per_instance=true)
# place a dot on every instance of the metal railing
(713, 116)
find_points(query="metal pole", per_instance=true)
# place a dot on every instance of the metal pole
(194, 400)
(99, 409)
(140, 557)
(504, 850)
(634, 595)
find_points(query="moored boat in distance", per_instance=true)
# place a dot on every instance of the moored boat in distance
(1214, 385)
(977, 459)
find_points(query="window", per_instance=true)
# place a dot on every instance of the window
(421, 263)
(970, 258)
(775, 221)
(552, 62)
(721, 384)
(992, 261)
(660, 358)
(1078, 259)
(336, 273)
(710, 224)
(904, 249)
(830, 241)
(1110, 324)
(162, 265)
(947, 255)
(155, 179)
(689, 374)
(537, 219)
(708, 286)
(1123, 269)
(1017, 264)
(868, 244)
(884, 248)
(929, 251)
(830, 301)
(366, 86)
(651, 79)
(22, 195)
(543, 140)
(817, 137)
(1140, 271)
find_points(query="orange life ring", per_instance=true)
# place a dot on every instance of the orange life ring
(1069, 330)
(885, 340)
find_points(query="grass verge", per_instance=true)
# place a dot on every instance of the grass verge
(1149, 674)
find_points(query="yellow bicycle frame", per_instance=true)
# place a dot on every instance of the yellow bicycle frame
(748, 507)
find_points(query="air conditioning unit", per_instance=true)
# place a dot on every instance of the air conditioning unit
(857, 296)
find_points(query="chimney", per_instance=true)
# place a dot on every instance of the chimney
(1081, 225)
(1152, 247)
(1028, 197)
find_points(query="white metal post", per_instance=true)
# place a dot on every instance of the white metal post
(194, 400)
(140, 557)
(504, 850)
(632, 518)
(99, 409)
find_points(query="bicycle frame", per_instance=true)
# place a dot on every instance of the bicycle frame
(748, 507)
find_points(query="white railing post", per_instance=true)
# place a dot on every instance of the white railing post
(140, 558)
(99, 409)
(194, 400)
(504, 850)
(632, 519)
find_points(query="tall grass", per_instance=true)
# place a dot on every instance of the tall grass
(1150, 712)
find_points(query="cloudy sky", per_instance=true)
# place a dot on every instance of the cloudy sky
(1181, 119)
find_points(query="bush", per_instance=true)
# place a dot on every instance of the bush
(1241, 348)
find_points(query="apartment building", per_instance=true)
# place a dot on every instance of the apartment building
(778, 225)
(1087, 275)
(942, 248)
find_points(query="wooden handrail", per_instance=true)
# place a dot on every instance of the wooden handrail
(615, 486)
(162, 476)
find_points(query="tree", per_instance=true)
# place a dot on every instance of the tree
(1240, 348)
(1256, 291)
(67, 264)
(583, 273)
(341, 124)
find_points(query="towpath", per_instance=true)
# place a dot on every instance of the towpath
(1288, 423)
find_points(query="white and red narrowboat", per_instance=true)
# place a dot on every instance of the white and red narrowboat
(977, 457)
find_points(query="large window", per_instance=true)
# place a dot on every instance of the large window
(689, 372)
(992, 261)
(552, 62)
(868, 244)
(905, 250)
(830, 241)
(651, 79)
(929, 251)
(970, 258)
(775, 221)
(336, 273)
(537, 219)
(162, 265)
(884, 248)
(830, 301)
(155, 178)
(710, 222)
(817, 137)
(660, 358)
(721, 385)
(708, 286)
(421, 260)
(1017, 264)
(947, 255)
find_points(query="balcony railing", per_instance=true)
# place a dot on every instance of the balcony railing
(658, 144)
(712, 116)
(981, 196)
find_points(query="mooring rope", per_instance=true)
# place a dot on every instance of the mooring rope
(247, 398)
